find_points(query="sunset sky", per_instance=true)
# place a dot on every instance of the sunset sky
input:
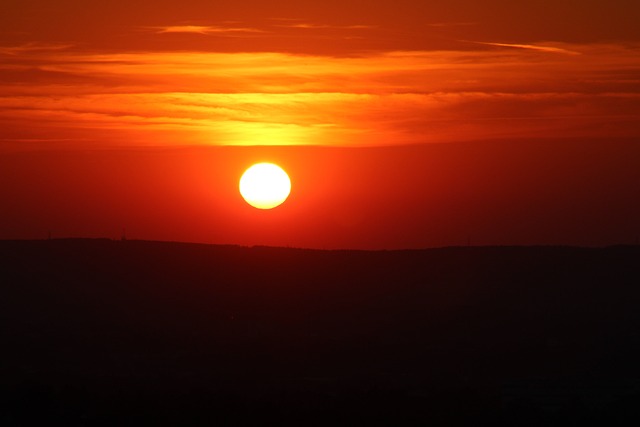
(402, 124)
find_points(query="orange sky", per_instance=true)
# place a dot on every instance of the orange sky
(403, 124)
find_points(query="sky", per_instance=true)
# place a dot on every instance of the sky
(402, 124)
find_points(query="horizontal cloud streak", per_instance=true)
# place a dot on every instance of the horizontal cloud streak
(315, 26)
(33, 47)
(200, 29)
(541, 48)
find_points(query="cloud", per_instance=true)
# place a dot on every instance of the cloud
(34, 48)
(204, 29)
(316, 26)
(175, 98)
(540, 48)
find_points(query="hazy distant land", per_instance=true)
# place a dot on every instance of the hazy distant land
(101, 332)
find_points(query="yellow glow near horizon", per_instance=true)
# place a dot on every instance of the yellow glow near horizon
(365, 100)
(265, 185)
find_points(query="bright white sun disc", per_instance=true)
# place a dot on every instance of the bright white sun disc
(265, 185)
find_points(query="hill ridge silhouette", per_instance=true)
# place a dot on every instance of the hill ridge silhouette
(103, 331)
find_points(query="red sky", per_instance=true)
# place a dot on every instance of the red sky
(402, 124)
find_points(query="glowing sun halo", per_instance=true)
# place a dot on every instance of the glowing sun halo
(265, 185)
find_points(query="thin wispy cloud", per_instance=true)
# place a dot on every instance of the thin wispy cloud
(316, 26)
(537, 47)
(34, 47)
(204, 29)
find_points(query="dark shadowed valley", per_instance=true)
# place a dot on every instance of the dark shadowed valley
(101, 332)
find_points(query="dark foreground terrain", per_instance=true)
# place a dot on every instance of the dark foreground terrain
(105, 333)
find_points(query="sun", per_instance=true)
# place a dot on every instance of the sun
(265, 185)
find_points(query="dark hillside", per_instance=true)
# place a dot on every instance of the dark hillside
(101, 332)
